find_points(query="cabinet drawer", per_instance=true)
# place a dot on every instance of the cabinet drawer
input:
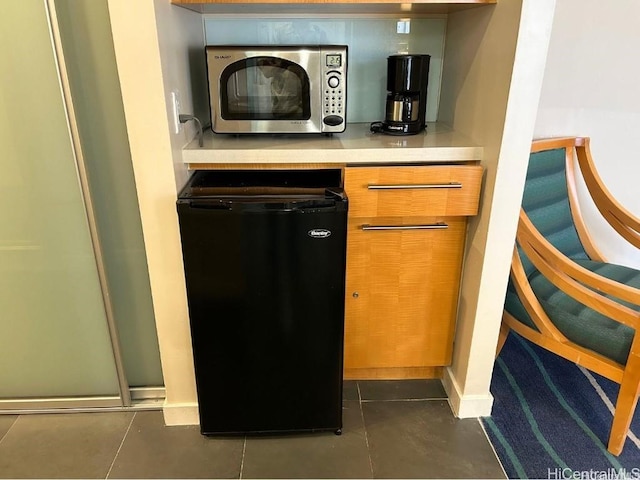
(442, 190)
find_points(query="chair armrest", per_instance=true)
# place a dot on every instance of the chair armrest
(623, 221)
(576, 281)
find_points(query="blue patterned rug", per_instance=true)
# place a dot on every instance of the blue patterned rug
(551, 418)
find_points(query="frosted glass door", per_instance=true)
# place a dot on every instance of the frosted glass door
(53, 331)
(93, 77)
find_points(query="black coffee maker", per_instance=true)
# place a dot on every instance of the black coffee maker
(407, 79)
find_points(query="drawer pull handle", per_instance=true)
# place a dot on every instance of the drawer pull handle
(428, 226)
(419, 186)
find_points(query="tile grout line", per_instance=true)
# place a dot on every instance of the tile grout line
(430, 399)
(124, 437)
(244, 449)
(9, 429)
(492, 447)
(364, 426)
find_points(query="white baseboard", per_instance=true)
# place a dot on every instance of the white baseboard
(180, 414)
(465, 406)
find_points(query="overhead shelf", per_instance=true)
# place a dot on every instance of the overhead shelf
(415, 7)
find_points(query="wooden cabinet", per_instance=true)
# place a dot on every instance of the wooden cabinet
(405, 247)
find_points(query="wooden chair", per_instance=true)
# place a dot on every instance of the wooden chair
(562, 294)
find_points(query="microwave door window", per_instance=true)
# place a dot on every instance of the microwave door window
(265, 88)
(246, 93)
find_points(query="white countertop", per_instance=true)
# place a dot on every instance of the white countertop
(357, 145)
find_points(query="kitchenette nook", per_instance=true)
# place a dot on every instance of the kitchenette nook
(431, 216)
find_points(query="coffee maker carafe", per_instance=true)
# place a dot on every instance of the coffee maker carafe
(406, 106)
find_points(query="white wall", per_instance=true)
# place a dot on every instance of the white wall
(144, 57)
(494, 61)
(592, 88)
(181, 42)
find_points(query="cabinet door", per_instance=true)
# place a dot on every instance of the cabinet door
(401, 293)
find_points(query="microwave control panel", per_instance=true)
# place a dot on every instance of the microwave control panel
(334, 101)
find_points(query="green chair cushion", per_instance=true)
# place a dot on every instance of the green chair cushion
(514, 306)
(546, 202)
(581, 324)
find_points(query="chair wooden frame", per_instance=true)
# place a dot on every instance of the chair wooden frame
(581, 284)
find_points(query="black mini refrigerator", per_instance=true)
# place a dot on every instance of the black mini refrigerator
(264, 257)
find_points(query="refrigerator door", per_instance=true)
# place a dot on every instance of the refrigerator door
(265, 285)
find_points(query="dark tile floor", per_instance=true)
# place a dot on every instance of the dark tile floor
(391, 430)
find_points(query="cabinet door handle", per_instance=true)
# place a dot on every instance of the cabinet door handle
(416, 186)
(428, 226)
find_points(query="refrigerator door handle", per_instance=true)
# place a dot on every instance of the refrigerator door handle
(312, 205)
(210, 205)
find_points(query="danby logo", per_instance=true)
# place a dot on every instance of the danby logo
(220, 57)
(319, 233)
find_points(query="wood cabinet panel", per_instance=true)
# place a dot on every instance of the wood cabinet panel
(442, 190)
(401, 294)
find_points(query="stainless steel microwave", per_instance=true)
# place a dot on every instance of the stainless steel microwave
(278, 89)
